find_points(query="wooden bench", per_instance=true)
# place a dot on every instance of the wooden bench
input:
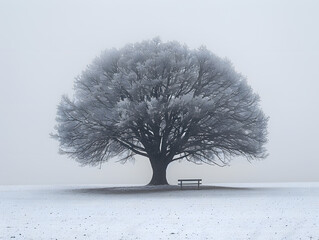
(189, 182)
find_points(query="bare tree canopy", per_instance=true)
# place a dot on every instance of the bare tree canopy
(162, 101)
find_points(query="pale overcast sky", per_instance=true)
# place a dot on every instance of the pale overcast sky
(44, 45)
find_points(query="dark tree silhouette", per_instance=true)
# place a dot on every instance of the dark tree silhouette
(162, 101)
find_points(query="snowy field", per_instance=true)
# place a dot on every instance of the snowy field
(226, 211)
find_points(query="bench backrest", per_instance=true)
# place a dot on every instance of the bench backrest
(198, 180)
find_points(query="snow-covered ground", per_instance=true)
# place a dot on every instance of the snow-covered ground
(225, 211)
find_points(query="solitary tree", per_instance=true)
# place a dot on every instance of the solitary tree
(162, 101)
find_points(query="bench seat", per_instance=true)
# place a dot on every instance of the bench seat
(189, 182)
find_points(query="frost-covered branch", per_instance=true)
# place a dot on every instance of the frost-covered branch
(162, 101)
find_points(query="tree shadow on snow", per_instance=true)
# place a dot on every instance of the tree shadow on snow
(158, 189)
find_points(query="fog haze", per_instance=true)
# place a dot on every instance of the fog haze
(44, 45)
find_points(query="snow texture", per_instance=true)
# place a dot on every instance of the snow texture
(227, 211)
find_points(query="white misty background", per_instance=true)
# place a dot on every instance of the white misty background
(45, 45)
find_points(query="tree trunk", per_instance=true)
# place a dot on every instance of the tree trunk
(159, 172)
